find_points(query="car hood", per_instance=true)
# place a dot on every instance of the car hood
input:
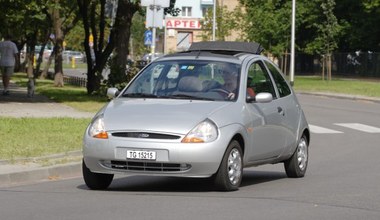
(158, 115)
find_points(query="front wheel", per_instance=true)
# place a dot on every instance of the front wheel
(296, 165)
(230, 173)
(96, 181)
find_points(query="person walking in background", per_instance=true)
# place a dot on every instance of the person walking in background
(8, 56)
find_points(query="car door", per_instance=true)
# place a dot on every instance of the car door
(267, 137)
(287, 101)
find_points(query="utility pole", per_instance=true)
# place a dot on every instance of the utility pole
(292, 43)
(213, 20)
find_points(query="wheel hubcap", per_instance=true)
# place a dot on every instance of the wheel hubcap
(234, 166)
(302, 154)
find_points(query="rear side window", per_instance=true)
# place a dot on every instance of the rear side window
(259, 79)
(282, 86)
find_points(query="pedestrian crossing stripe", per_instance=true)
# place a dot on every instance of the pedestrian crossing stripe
(321, 130)
(360, 127)
(355, 126)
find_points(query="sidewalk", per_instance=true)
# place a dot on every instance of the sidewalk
(29, 170)
(18, 104)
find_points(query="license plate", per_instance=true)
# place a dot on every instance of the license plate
(141, 155)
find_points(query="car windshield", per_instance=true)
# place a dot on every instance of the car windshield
(200, 80)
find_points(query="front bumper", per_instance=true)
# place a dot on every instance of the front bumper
(173, 157)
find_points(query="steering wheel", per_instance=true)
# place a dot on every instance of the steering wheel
(225, 93)
(220, 90)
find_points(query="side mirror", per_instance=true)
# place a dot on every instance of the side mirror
(112, 93)
(264, 97)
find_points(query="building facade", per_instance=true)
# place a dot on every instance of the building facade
(181, 31)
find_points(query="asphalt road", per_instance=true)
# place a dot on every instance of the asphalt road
(342, 182)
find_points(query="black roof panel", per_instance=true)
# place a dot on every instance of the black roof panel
(227, 46)
(202, 54)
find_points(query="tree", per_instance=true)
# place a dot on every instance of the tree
(27, 22)
(95, 23)
(32, 22)
(329, 30)
(360, 27)
(122, 33)
(64, 16)
(226, 22)
(268, 22)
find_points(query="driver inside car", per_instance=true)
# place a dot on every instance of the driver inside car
(230, 78)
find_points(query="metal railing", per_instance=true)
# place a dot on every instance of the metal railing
(355, 64)
(73, 80)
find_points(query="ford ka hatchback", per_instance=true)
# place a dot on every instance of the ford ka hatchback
(206, 113)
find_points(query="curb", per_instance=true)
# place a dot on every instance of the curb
(341, 96)
(55, 172)
(28, 170)
(36, 159)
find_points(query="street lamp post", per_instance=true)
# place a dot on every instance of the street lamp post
(292, 43)
(213, 20)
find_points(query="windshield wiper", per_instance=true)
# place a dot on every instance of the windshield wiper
(139, 95)
(185, 96)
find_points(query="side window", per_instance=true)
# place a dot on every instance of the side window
(282, 86)
(259, 80)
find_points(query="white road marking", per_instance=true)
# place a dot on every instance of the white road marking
(321, 130)
(360, 127)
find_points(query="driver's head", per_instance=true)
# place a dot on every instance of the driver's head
(230, 77)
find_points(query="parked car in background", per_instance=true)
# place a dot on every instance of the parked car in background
(68, 55)
(206, 113)
(46, 53)
(147, 58)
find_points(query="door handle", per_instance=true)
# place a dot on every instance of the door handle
(280, 111)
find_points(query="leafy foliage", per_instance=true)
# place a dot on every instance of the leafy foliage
(321, 25)
(268, 22)
(226, 22)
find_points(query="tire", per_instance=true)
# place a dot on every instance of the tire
(230, 172)
(296, 165)
(96, 181)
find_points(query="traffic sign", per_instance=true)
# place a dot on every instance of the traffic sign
(154, 16)
(162, 3)
(148, 37)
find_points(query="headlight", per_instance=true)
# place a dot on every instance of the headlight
(204, 132)
(97, 129)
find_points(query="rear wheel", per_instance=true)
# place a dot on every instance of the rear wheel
(230, 173)
(296, 165)
(96, 181)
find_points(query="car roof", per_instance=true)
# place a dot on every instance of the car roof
(233, 51)
(229, 47)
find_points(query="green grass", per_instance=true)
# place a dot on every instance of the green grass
(73, 96)
(33, 137)
(369, 88)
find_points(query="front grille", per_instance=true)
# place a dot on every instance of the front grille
(149, 166)
(144, 135)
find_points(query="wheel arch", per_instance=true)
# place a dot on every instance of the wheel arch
(239, 138)
(306, 132)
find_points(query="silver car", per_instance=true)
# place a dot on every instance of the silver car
(206, 113)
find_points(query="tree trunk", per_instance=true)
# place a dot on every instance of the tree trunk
(286, 63)
(123, 24)
(94, 24)
(329, 65)
(47, 66)
(323, 61)
(58, 69)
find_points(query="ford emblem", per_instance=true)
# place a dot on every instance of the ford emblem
(143, 135)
